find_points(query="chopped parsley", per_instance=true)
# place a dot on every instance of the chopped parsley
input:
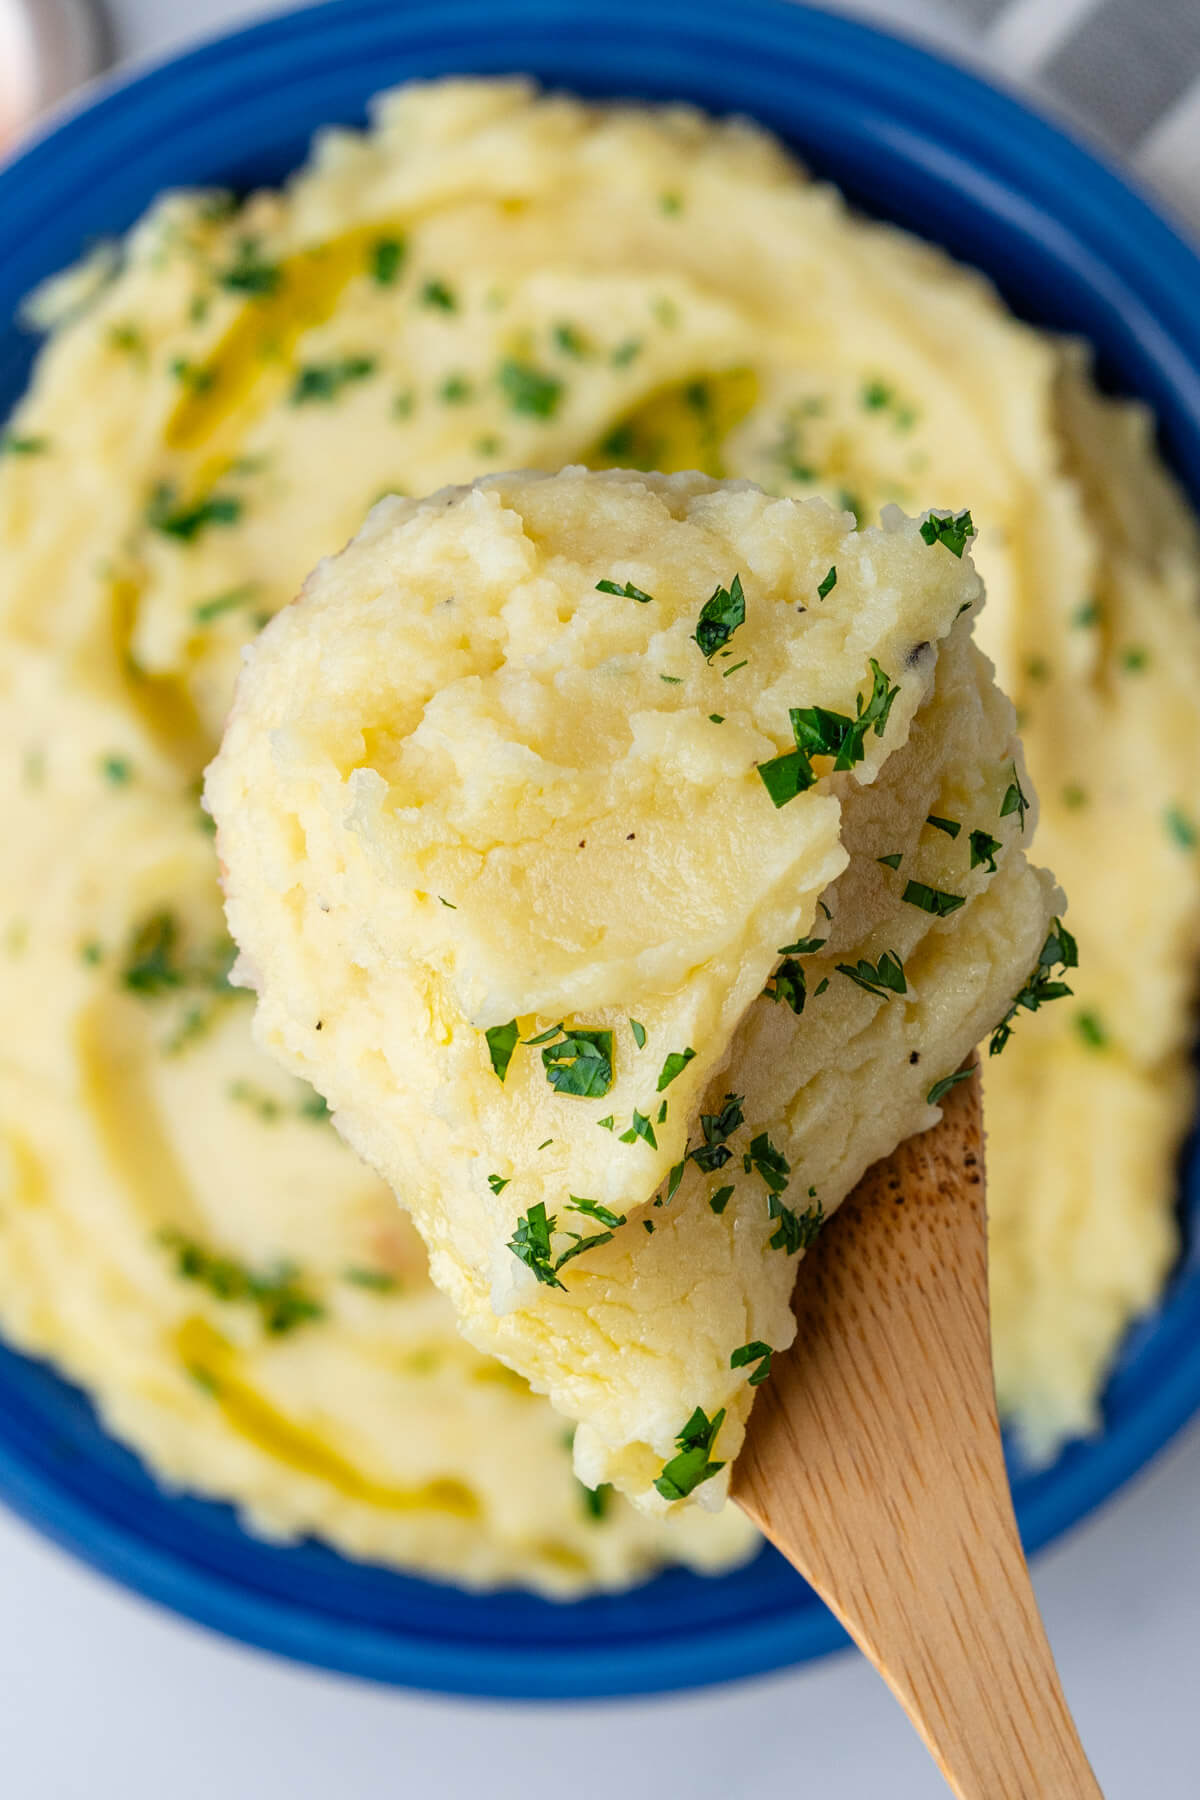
(498, 1183)
(283, 1302)
(606, 1124)
(983, 850)
(672, 680)
(671, 204)
(686, 1471)
(250, 272)
(720, 1200)
(1086, 615)
(882, 980)
(715, 1128)
(625, 352)
(932, 900)
(531, 1243)
(1135, 659)
(951, 827)
(324, 381)
(435, 293)
(13, 443)
(597, 1500)
(376, 1281)
(1059, 952)
(1091, 1029)
(788, 984)
(530, 390)
(1074, 796)
(205, 611)
(626, 590)
(454, 390)
(720, 616)
(733, 668)
(580, 1063)
(1015, 799)
(827, 585)
(186, 521)
(716, 718)
(819, 732)
(592, 1209)
(803, 947)
(639, 1033)
(116, 769)
(794, 1231)
(570, 341)
(501, 1042)
(949, 529)
(152, 965)
(192, 375)
(641, 1128)
(674, 1065)
(385, 259)
(766, 1160)
(1180, 828)
(755, 1352)
(941, 1088)
(892, 860)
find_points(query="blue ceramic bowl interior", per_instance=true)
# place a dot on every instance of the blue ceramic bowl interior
(907, 137)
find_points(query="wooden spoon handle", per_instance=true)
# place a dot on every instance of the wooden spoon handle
(874, 1463)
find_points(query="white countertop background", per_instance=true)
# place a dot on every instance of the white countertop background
(103, 1697)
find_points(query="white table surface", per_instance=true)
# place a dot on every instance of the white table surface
(103, 1697)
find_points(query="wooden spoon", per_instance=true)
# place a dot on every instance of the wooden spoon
(874, 1464)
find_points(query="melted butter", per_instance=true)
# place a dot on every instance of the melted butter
(161, 702)
(253, 361)
(213, 1362)
(117, 1093)
(683, 427)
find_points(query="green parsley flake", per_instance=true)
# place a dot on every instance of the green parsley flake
(715, 1128)
(606, 1124)
(435, 293)
(720, 1200)
(788, 984)
(250, 273)
(186, 522)
(530, 390)
(671, 204)
(1058, 952)
(876, 395)
(672, 680)
(376, 1281)
(1180, 828)
(949, 530)
(205, 611)
(819, 732)
(192, 375)
(720, 616)
(932, 900)
(794, 1231)
(1091, 1029)
(641, 1128)
(498, 1183)
(324, 381)
(951, 827)
(766, 1160)
(625, 352)
(674, 1065)
(826, 586)
(570, 341)
(755, 1352)
(13, 443)
(626, 590)
(639, 1033)
(803, 947)
(717, 718)
(597, 1500)
(1087, 614)
(692, 1466)
(592, 1209)
(501, 1042)
(385, 259)
(1074, 796)
(530, 1244)
(1135, 659)
(455, 390)
(883, 980)
(282, 1301)
(892, 860)
(1015, 799)
(581, 1063)
(116, 769)
(983, 850)
(941, 1088)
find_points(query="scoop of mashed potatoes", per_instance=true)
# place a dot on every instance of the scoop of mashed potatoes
(544, 793)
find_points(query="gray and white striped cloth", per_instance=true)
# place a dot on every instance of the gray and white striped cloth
(1124, 72)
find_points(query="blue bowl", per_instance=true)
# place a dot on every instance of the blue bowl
(907, 137)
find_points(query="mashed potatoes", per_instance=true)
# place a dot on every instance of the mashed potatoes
(510, 888)
(488, 279)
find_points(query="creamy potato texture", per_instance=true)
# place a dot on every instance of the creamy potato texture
(510, 888)
(489, 279)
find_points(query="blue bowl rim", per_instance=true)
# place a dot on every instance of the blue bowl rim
(1131, 254)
